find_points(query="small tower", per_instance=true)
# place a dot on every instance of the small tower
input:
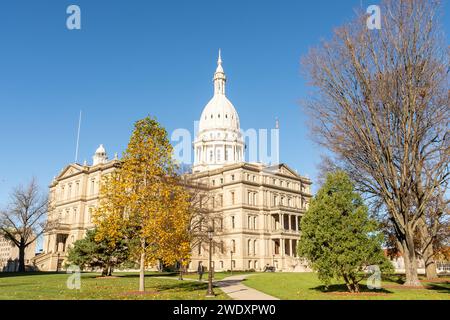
(219, 77)
(100, 156)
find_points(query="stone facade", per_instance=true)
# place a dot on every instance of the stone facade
(260, 209)
(73, 195)
(260, 206)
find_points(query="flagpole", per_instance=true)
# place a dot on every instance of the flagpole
(78, 138)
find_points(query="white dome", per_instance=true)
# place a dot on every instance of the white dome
(219, 141)
(219, 113)
(100, 150)
(100, 156)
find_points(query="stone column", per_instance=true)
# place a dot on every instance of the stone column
(281, 219)
(289, 224)
(296, 223)
(290, 249)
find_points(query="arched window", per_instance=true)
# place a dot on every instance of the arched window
(233, 246)
(249, 247)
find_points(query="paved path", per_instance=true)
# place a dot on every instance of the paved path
(236, 290)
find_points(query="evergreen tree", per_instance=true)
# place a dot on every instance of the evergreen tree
(338, 237)
(89, 253)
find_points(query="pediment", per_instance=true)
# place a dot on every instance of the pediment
(285, 170)
(282, 169)
(70, 170)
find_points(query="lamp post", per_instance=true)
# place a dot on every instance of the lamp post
(57, 263)
(231, 262)
(210, 292)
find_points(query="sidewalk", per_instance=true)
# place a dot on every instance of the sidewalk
(234, 288)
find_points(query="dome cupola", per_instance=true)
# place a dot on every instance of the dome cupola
(100, 156)
(219, 141)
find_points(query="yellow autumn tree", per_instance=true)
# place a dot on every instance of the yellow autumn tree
(143, 201)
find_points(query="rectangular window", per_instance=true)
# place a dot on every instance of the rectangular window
(232, 198)
(77, 189)
(233, 224)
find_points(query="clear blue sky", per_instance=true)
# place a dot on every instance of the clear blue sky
(134, 58)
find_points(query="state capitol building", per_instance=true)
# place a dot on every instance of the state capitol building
(261, 206)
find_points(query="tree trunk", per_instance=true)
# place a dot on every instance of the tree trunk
(409, 255)
(181, 271)
(348, 283)
(428, 253)
(21, 258)
(430, 265)
(142, 269)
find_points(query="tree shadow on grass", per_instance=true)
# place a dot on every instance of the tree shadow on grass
(26, 274)
(395, 278)
(136, 275)
(187, 286)
(439, 287)
(342, 288)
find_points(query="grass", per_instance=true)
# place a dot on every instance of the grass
(217, 275)
(52, 286)
(306, 286)
(165, 286)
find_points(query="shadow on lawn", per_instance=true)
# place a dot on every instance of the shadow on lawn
(136, 275)
(439, 287)
(25, 274)
(183, 286)
(342, 288)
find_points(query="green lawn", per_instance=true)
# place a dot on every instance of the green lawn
(302, 286)
(306, 286)
(53, 286)
(217, 275)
